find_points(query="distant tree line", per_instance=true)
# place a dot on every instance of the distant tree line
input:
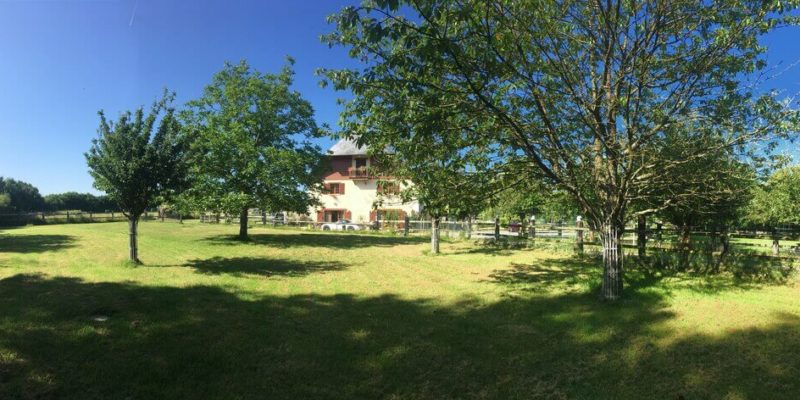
(78, 201)
(20, 197)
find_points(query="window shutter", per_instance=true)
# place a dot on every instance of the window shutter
(320, 216)
(347, 215)
(372, 215)
(341, 189)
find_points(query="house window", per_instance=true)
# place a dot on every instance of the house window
(333, 188)
(361, 163)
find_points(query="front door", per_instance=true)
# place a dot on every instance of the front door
(333, 215)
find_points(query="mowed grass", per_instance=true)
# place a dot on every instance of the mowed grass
(307, 315)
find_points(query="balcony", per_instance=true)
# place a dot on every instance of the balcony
(360, 173)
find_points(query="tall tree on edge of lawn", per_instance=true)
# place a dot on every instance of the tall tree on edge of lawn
(134, 162)
(581, 93)
(244, 151)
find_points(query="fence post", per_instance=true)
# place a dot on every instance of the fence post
(469, 227)
(406, 222)
(67, 216)
(532, 230)
(43, 218)
(579, 234)
(641, 235)
(658, 230)
(497, 229)
(112, 216)
(91, 217)
(263, 217)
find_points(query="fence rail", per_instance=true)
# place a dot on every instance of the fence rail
(65, 217)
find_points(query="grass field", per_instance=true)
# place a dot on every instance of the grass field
(302, 315)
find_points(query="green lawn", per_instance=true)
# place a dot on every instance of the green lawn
(305, 315)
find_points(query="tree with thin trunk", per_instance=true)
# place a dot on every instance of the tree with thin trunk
(584, 94)
(245, 148)
(448, 178)
(138, 159)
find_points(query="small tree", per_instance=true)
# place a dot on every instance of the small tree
(244, 151)
(777, 202)
(134, 162)
(449, 179)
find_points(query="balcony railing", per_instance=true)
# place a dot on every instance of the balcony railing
(359, 173)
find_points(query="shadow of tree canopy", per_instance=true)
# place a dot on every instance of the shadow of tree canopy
(265, 266)
(34, 243)
(204, 342)
(585, 273)
(326, 240)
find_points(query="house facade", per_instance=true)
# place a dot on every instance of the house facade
(352, 190)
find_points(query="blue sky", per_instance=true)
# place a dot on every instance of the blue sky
(62, 61)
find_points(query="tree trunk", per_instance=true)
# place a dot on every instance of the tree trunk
(497, 229)
(133, 243)
(435, 235)
(685, 246)
(641, 235)
(776, 247)
(243, 224)
(725, 241)
(611, 237)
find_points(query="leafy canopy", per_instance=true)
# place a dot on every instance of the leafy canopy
(584, 94)
(139, 157)
(250, 145)
(778, 201)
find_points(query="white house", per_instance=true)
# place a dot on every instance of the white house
(351, 189)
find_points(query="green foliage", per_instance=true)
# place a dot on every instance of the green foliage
(778, 201)
(533, 199)
(244, 148)
(19, 196)
(5, 202)
(134, 162)
(78, 201)
(711, 189)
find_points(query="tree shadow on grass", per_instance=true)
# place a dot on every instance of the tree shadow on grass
(205, 342)
(325, 240)
(34, 243)
(264, 266)
(585, 273)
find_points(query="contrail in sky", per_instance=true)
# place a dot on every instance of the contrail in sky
(133, 14)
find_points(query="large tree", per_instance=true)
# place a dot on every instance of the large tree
(245, 149)
(138, 159)
(584, 94)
